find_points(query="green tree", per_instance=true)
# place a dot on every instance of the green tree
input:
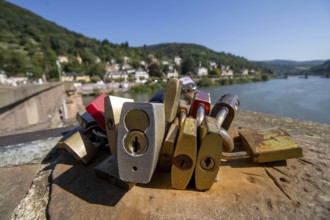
(188, 65)
(154, 69)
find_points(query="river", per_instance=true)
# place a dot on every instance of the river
(295, 97)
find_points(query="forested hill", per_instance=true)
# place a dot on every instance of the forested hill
(29, 43)
(201, 54)
(322, 69)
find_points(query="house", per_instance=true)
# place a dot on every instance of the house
(3, 77)
(79, 59)
(62, 59)
(171, 72)
(244, 72)
(213, 65)
(126, 59)
(111, 66)
(73, 76)
(177, 60)
(141, 76)
(113, 75)
(226, 71)
(200, 71)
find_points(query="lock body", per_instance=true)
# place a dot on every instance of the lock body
(269, 145)
(172, 99)
(85, 119)
(96, 110)
(112, 109)
(80, 147)
(185, 153)
(209, 154)
(140, 134)
(228, 103)
(201, 99)
(167, 150)
(108, 170)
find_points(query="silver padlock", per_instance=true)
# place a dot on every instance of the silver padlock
(140, 134)
(112, 109)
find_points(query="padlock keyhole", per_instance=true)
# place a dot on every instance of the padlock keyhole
(136, 145)
(207, 161)
(182, 163)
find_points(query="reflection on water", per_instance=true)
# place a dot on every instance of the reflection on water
(295, 97)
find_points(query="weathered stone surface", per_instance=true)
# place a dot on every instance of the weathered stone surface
(34, 205)
(14, 184)
(299, 188)
(26, 153)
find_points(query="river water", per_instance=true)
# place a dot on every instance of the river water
(295, 97)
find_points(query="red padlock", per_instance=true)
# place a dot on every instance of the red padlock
(96, 110)
(200, 106)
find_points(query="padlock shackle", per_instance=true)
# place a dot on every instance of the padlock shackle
(221, 116)
(200, 114)
(227, 140)
(235, 155)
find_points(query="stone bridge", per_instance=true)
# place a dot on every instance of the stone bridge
(44, 106)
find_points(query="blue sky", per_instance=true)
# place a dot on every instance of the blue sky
(255, 29)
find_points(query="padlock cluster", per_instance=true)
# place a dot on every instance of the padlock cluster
(177, 131)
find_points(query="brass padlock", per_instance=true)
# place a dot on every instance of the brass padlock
(185, 153)
(209, 154)
(140, 135)
(167, 150)
(108, 170)
(172, 99)
(112, 109)
(80, 146)
(266, 145)
(85, 119)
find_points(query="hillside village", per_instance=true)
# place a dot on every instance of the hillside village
(164, 68)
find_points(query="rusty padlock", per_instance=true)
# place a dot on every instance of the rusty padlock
(209, 154)
(167, 150)
(140, 134)
(184, 158)
(265, 145)
(112, 107)
(200, 106)
(108, 170)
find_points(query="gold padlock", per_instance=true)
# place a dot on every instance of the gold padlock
(265, 145)
(172, 99)
(209, 154)
(108, 170)
(80, 147)
(185, 153)
(112, 110)
(167, 150)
